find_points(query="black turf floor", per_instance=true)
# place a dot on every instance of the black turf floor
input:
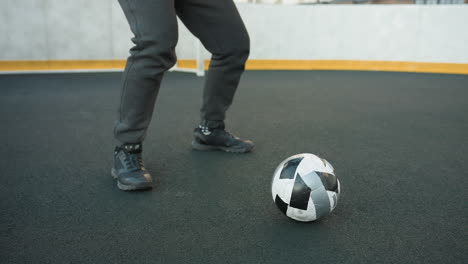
(398, 142)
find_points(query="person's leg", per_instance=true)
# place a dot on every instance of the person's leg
(220, 28)
(154, 25)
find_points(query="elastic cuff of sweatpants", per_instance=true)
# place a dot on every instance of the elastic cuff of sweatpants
(212, 124)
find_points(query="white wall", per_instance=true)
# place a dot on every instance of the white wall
(94, 30)
(62, 30)
(358, 32)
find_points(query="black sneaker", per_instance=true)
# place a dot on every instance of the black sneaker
(128, 168)
(219, 139)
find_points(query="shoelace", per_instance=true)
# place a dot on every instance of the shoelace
(226, 133)
(133, 161)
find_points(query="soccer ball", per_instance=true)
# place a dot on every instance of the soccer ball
(305, 188)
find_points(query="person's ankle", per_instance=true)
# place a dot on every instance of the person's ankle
(131, 147)
(212, 124)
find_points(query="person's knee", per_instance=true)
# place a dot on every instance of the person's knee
(155, 53)
(242, 53)
(242, 49)
(235, 55)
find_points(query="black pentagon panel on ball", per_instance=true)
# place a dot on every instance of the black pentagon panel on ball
(282, 206)
(300, 194)
(328, 181)
(289, 168)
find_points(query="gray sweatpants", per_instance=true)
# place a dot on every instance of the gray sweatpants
(219, 27)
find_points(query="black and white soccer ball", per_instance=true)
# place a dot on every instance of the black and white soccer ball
(305, 188)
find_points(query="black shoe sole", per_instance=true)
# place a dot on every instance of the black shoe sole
(125, 187)
(199, 146)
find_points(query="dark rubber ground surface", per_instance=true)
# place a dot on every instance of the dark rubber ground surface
(398, 142)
